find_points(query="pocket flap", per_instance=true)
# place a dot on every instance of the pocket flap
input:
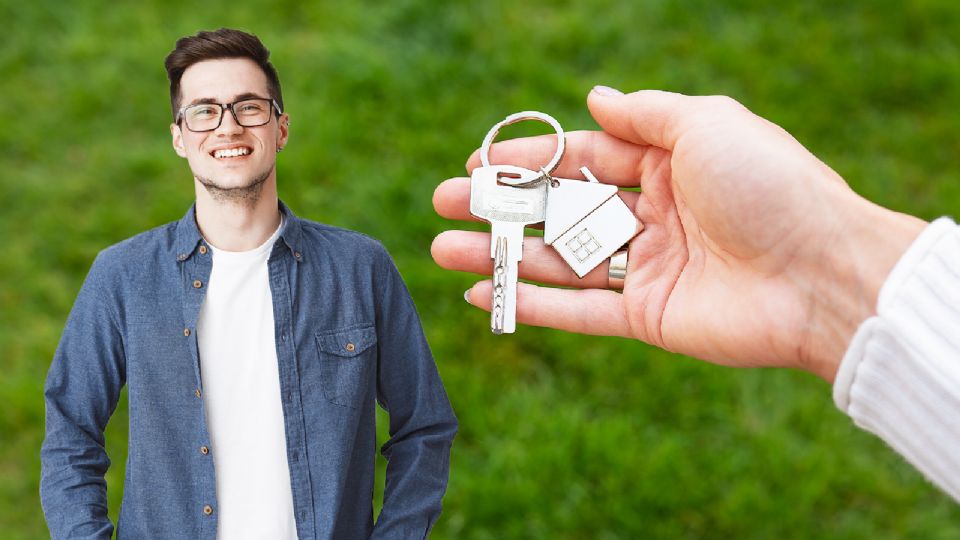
(347, 343)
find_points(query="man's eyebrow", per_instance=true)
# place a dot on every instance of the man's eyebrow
(198, 101)
(248, 95)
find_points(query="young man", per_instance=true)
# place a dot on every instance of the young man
(253, 344)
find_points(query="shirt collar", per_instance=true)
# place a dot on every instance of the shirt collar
(188, 237)
(291, 232)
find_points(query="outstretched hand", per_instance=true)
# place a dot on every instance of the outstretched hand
(753, 252)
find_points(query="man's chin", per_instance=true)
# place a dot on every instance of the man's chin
(228, 183)
(241, 189)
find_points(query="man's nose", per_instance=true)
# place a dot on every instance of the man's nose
(228, 124)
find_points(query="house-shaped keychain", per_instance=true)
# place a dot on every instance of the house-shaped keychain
(586, 222)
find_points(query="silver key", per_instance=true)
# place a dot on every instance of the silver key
(508, 209)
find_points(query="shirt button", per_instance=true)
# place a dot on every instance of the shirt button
(208, 509)
(350, 347)
(196, 392)
(197, 284)
(203, 250)
(297, 254)
(204, 450)
(186, 332)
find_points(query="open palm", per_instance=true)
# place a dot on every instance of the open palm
(740, 223)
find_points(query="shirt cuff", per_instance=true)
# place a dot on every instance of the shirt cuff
(900, 377)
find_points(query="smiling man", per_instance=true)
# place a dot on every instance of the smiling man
(254, 345)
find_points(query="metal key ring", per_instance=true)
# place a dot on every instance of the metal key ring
(519, 117)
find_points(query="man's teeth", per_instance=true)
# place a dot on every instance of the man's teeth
(233, 152)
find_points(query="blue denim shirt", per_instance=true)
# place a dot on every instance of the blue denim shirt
(134, 323)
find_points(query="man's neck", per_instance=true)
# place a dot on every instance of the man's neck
(238, 226)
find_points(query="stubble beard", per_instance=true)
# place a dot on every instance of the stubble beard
(246, 195)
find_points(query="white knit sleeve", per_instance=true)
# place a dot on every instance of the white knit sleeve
(900, 377)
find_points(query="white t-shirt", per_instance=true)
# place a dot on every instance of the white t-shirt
(241, 391)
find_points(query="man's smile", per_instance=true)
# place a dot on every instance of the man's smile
(231, 152)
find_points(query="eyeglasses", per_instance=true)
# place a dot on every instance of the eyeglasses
(208, 116)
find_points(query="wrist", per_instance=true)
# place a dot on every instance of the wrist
(857, 254)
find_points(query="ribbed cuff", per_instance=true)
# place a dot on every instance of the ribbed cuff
(900, 377)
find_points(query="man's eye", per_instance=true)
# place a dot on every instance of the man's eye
(203, 112)
(250, 108)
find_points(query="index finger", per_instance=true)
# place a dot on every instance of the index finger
(611, 160)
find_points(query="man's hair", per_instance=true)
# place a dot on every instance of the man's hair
(222, 43)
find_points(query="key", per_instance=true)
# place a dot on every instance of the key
(508, 209)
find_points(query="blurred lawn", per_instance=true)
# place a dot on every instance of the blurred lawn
(562, 436)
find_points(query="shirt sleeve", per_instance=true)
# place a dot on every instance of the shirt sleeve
(81, 393)
(900, 377)
(422, 422)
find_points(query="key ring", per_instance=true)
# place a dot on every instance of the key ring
(544, 172)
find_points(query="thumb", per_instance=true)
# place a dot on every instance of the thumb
(648, 117)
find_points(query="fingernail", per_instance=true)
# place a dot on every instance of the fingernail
(466, 295)
(607, 91)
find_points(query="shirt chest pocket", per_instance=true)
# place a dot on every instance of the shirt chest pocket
(347, 361)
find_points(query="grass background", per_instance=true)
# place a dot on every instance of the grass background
(562, 436)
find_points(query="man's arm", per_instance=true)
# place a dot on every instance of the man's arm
(81, 393)
(422, 423)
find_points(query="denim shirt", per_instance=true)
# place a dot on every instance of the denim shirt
(347, 337)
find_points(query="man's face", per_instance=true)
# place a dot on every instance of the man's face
(226, 81)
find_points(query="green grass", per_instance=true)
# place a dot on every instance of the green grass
(562, 436)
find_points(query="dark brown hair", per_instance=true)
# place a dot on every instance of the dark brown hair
(222, 43)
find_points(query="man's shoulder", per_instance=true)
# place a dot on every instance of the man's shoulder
(344, 241)
(142, 249)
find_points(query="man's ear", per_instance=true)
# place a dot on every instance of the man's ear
(177, 140)
(284, 132)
